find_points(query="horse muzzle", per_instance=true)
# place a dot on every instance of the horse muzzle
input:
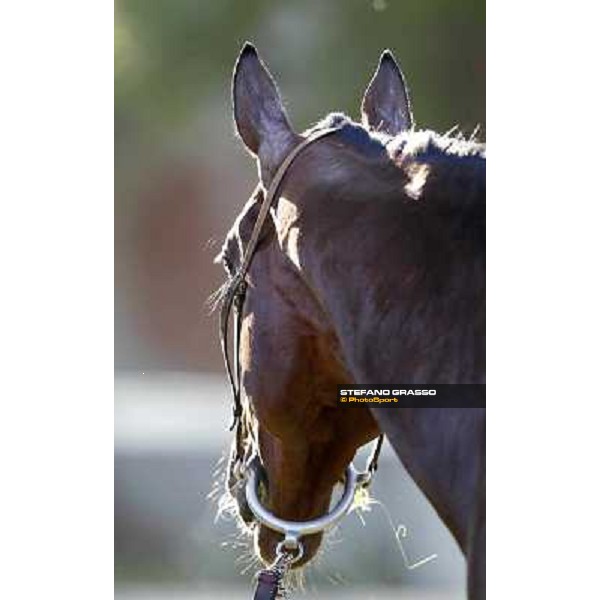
(295, 532)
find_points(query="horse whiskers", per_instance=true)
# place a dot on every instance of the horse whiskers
(236, 543)
(320, 561)
(227, 508)
(252, 564)
(247, 560)
(226, 505)
(296, 580)
(300, 577)
(243, 542)
(216, 489)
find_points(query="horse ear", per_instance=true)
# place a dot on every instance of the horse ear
(385, 105)
(260, 118)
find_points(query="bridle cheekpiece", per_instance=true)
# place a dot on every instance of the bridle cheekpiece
(290, 549)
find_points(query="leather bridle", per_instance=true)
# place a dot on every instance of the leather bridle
(233, 300)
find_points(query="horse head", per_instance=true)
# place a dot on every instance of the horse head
(290, 357)
(368, 268)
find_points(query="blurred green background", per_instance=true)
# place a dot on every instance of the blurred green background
(181, 176)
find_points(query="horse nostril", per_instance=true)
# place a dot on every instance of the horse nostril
(243, 509)
(263, 494)
(263, 481)
(236, 485)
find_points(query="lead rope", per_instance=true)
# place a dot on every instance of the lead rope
(270, 584)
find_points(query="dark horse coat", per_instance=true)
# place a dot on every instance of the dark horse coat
(370, 270)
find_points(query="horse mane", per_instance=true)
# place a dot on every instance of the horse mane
(447, 170)
(439, 174)
(421, 144)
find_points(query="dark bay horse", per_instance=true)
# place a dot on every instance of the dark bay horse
(370, 269)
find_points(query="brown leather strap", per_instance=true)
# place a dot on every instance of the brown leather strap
(374, 459)
(273, 192)
(233, 296)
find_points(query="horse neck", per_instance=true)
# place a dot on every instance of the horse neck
(443, 449)
(403, 312)
(390, 332)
